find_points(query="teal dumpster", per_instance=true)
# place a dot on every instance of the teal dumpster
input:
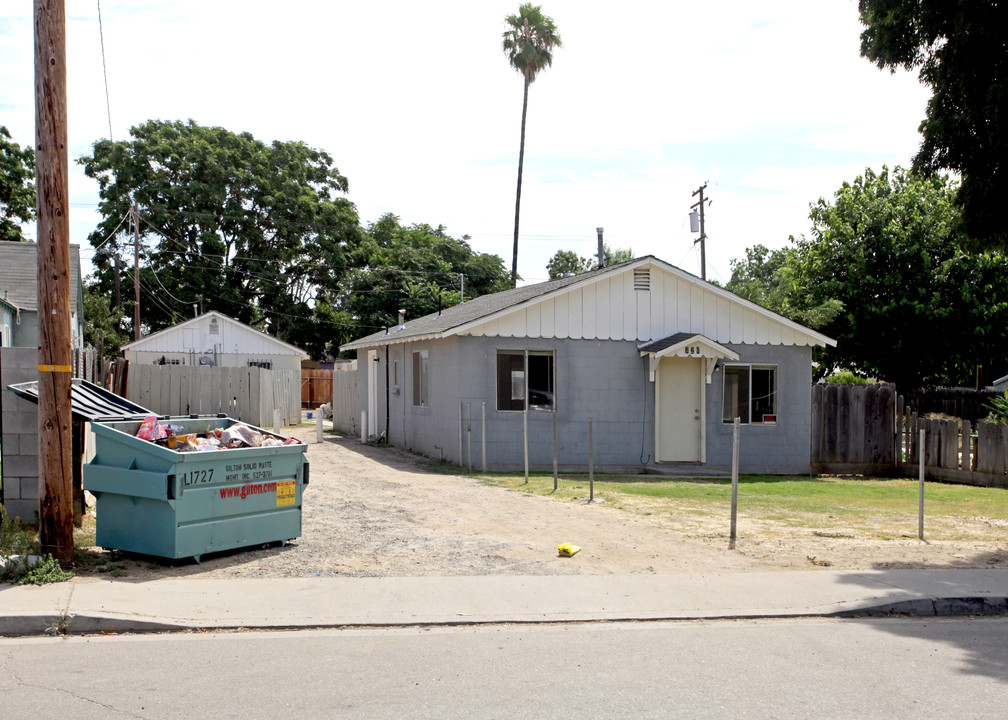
(157, 501)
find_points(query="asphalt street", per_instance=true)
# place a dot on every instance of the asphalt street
(788, 668)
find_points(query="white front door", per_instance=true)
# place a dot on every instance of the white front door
(679, 411)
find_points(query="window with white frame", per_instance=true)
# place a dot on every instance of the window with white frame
(420, 396)
(750, 394)
(512, 375)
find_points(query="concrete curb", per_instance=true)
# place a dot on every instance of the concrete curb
(95, 624)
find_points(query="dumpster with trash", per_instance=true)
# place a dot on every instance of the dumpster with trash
(177, 487)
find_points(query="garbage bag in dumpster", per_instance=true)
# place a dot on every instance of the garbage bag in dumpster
(154, 500)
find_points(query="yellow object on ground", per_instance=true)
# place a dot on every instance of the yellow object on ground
(567, 549)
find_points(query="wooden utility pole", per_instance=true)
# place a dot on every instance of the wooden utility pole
(117, 298)
(53, 229)
(136, 271)
(703, 235)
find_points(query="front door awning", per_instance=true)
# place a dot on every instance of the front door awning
(686, 345)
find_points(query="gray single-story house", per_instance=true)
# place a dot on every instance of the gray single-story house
(661, 361)
(19, 295)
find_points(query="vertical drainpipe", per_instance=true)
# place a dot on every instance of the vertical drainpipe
(388, 440)
(601, 249)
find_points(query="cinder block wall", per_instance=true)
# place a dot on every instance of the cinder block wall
(783, 448)
(19, 441)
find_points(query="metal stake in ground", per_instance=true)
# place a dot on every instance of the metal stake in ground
(591, 464)
(554, 452)
(734, 483)
(920, 509)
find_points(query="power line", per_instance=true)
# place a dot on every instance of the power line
(108, 105)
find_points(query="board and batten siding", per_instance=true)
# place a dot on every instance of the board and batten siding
(612, 309)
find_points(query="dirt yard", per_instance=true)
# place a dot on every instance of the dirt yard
(378, 512)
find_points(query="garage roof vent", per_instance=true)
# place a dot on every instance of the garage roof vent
(214, 327)
(642, 279)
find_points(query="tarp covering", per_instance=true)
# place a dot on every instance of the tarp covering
(88, 401)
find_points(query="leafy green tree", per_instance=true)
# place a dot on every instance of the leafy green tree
(959, 50)
(914, 307)
(418, 269)
(259, 232)
(528, 43)
(17, 186)
(568, 262)
(101, 322)
(768, 278)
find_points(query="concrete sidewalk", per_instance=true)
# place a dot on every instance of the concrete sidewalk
(87, 605)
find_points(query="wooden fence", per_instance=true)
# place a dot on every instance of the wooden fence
(249, 394)
(858, 429)
(316, 387)
(346, 413)
(854, 428)
(110, 373)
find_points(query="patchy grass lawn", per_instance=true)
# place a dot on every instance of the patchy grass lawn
(828, 506)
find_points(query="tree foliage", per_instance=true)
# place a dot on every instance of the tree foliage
(568, 262)
(17, 186)
(528, 43)
(102, 323)
(886, 271)
(417, 269)
(256, 231)
(959, 50)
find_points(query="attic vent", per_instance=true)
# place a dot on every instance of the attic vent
(642, 279)
(214, 327)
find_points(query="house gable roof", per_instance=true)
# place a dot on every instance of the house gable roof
(637, 300)
(155, 341)
(19, 275)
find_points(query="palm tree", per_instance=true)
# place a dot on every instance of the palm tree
(528, 43)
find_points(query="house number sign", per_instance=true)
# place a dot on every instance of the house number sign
(693, 350)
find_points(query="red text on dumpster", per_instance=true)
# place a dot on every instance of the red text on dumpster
(244, 491)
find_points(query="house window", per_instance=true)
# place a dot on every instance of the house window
(420, 398)
(750, 394)
(264, 364)
(512, 375)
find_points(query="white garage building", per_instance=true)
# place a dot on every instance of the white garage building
(216, 340)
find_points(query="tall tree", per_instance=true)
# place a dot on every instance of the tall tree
(959, 50)
(528, 43)
(568, 262)
(17, 186)
(886, 271)
(416, 268)
(256, 231)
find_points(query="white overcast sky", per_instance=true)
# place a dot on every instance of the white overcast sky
(768, 102)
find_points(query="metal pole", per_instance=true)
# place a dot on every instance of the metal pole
(525, 415)
(469, 434)
(591, 464)
(920, 509)
(461, 457)
(554, 452)
(734, 484)
(483, 436)
(318, 427)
